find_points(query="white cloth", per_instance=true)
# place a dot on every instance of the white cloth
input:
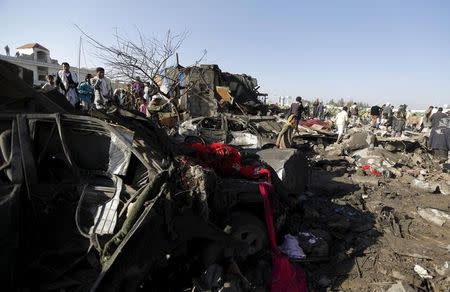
(341, 118)
(102, 91)
(341, 129)
(70, 93)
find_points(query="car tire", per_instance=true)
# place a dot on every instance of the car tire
(248, 228)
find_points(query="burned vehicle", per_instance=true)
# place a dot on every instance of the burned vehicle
(108, 202)
(240, 131)
(89, 204)
(105, 203)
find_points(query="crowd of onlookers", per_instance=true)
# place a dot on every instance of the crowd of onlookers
(435, 123)
(97, 91)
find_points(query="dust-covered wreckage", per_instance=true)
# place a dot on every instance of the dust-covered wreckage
(206, 90)
(107, 202)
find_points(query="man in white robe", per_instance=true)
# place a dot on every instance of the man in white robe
(67, 83)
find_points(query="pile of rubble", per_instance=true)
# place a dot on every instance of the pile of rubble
(108, 201)
(376, 215)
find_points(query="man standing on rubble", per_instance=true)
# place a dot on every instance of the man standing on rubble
(439, 141)
(316, 108)
(402, 110)
(284, 139)
(296, 110)
(398, 124)
(354, 111)
(387, 115)
(341, 123)
(436, 117)
(102, 89)
(375, 114)
(67, 83)
(321, 110)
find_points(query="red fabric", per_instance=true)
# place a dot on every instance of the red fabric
(227, 159)
(285, 276)
(371, 169)
(310, 122)
(219, 156)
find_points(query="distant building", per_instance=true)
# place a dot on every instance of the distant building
(36, 58)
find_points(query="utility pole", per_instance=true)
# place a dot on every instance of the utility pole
(79, 58)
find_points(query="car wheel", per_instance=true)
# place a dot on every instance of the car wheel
(249, 229)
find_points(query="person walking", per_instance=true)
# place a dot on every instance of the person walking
(296, 110)
(398, 124)
(341, 123)
(284, 139)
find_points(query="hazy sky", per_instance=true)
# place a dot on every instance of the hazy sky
(369, 50)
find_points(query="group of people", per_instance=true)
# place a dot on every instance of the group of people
(93, 91)
(296, 112)
(395, 121)
(385, 116)
(97, 91)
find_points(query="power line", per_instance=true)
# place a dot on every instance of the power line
(84, 54)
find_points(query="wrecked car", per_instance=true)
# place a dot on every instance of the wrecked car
(84, 199)
(240, 131)
(108, 202)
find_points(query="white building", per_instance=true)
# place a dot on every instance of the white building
(36, 58)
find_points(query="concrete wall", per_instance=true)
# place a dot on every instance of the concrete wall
(33, 65)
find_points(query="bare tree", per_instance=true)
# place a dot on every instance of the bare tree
(147, 58)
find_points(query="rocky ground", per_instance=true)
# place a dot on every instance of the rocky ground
(363, 232)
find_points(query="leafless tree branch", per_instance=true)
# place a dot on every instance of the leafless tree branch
(147, 57)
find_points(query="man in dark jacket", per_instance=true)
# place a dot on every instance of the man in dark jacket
(387, 115)
(398, 124)
(375, 113)
(316, 109)
(296, 110)
(439, 140)
(436, 117)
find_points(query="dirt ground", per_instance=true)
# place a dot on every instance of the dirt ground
(370, 238)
